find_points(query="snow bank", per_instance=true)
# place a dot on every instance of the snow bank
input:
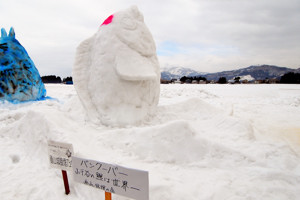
(204, 142)
(116, 71)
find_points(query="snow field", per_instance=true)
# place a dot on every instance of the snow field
(203, 142)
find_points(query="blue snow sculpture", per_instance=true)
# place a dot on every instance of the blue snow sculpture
(19, 78)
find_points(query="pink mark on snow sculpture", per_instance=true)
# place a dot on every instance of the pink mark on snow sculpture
(108, 20)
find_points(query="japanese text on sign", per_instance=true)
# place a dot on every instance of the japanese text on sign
(60, 155)
(112, 178)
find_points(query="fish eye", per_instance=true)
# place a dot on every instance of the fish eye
(128, 23)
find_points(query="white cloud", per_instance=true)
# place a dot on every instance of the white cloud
(209, 35)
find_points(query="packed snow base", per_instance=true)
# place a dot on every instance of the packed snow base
(19, 78)
(116, 72)
(204, 142)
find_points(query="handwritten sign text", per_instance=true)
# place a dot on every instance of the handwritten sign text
(115, 179)
(60, 155)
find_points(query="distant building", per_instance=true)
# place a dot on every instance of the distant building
(69, 82)
(273, 81)
(162, 81)
(231, 81)
(188, 81)
(245, 81)
(177, 82)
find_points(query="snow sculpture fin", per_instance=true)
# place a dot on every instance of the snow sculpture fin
(82, 69)
(82, 62)
(134, 69)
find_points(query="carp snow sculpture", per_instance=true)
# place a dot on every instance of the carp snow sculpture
(116, 72)
(19, 79)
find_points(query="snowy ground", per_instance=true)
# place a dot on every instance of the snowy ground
(205, 142)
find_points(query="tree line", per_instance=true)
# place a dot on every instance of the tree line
(189, 79)
(56, 79)
(289, 78)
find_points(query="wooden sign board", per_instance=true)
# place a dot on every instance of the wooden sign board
(114, 179)
(60, 155)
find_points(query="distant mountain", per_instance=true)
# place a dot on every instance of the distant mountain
(169, 73)
(257, 72)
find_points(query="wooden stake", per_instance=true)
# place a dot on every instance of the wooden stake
(107, 196)
(66, 182)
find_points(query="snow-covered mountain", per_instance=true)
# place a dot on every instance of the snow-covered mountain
(169, 73)
(257, 72)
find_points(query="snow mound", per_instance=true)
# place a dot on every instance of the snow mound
(116, 72)
(176, 142)
(204, 142)
(19, 78)
(24, 150)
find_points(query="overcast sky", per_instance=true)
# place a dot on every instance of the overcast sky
(205, 35)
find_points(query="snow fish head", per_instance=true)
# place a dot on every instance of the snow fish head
(135, 49)
(132, 30)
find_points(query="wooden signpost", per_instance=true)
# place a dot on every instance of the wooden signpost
(66, 182)
(60, 156)
(113, 179)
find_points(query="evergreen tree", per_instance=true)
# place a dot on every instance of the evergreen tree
(222, 80)
(290, 77)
